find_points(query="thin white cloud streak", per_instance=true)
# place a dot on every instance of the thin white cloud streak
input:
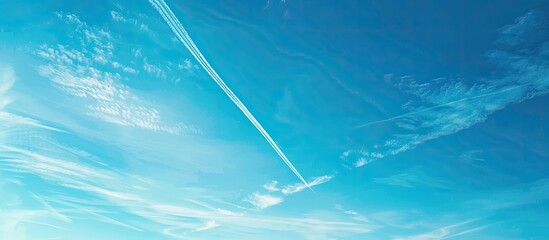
(439, 106)
(168, 214)
(12, 223)
(43, 224)
(49, 167)
(354, 214)
(15, 220)
(7, 79)
(411, 179)
(54, 211)
(184, 37)
(9, 117)
(298, 187)
(524, 194)
(208, 225)
(446, 232)
(216, 209)
(263, 201)
(472, 230)
(109, 220)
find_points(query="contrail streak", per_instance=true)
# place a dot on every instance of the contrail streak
(438, 106)
(184, 37)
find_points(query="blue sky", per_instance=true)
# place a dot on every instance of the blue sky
(407, 120)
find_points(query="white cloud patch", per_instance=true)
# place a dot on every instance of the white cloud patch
(137, 52)
(154, 70)
(263, 201)
(188, 66)
(143, 27)
(361, 162)
(116, 16)
(451, 106)
(126, 69)
(119, 17)
(271, 187)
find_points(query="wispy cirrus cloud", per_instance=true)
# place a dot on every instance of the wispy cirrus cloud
(82, 73)
(411, 179)
(446, 232)
(446, 108)
(73, 177)
(16, 224)
(519, 195)
(105, 187)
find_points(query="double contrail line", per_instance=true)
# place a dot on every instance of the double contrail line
(184, 37)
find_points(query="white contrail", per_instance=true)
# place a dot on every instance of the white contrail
(184, 37)
(438, 106)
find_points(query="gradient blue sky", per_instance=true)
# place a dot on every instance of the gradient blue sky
(409, 120)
